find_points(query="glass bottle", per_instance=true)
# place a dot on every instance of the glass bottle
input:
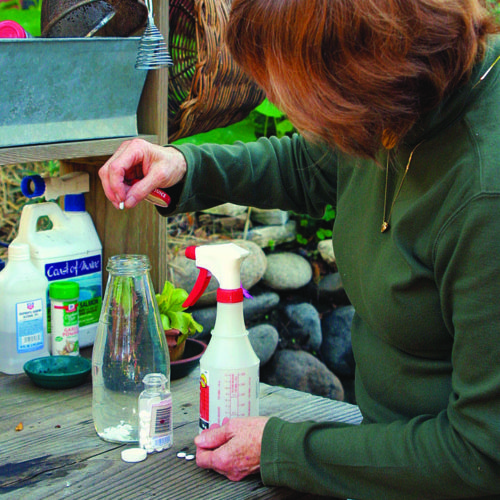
(130, 343)
(155, 414)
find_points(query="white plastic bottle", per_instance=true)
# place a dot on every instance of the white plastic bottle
(229, 368)
(23, 311)
(69, 250)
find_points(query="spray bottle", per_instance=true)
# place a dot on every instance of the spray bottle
(229, 368)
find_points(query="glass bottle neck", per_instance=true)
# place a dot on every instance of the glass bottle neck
(128, 265)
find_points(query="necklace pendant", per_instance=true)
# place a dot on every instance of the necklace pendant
(385, 227)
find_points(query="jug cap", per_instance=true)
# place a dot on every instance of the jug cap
(74, 203)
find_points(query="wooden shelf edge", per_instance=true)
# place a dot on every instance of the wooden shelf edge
(65, 150)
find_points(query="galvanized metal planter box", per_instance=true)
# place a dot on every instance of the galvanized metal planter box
(68, 89)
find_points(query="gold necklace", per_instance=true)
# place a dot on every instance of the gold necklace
(390, 140)
(386, 219)
(486, 73)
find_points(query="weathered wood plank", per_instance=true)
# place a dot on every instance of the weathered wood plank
(58, 453)
(296, 406)
(65, 150)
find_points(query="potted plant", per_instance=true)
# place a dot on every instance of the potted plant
(177, 323)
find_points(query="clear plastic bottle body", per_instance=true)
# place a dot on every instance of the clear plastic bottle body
(130, 344)
(155, 414)
(229, 370)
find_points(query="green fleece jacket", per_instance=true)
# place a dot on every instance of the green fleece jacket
(426, 333)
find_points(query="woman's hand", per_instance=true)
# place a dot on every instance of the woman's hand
(232, 449)
(154, 166)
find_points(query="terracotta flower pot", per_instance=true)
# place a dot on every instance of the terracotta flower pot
(175, 350)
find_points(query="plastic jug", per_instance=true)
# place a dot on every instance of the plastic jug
(23, 311)
(70, 250)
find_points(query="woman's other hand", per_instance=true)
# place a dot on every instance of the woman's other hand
(232, 449)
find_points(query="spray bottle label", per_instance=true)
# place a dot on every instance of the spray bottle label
(228, 393)
(204, 401)
(29, 326)
(87, 272)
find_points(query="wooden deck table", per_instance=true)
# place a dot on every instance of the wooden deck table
(59, 455)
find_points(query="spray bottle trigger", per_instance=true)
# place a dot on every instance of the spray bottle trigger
(199, 287)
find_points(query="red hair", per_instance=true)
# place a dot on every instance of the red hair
(348, 71)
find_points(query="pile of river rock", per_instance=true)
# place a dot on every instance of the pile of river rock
(299, 324)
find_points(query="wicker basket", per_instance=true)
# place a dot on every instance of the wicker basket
(207, 90)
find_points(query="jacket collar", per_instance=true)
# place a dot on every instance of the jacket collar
(453, 106)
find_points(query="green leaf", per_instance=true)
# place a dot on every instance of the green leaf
(301, 240)
(179, 321)
(284, 128)
(170, 304)
(122, 293)
(322, 233)
(269, 109)
(329, 214)
(243, 130)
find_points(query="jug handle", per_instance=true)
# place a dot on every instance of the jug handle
(31, 213)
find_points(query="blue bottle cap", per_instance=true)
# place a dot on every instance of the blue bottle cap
(74, 203)
(32, 186)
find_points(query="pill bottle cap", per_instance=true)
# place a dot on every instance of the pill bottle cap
(64, 290)
(11, 29)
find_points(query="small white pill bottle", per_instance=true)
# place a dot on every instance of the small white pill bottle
(155, 414)
(64, 318)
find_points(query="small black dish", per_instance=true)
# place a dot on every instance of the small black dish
(192, 353)
(58, 372)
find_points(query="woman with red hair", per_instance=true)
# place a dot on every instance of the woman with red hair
(398, 107)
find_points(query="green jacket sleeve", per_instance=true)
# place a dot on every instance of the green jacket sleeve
(286, 173)
(453, 454)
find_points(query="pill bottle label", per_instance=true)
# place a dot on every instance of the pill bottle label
(64, 328)
(161, 424)
(29, 325)
(156, 425)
